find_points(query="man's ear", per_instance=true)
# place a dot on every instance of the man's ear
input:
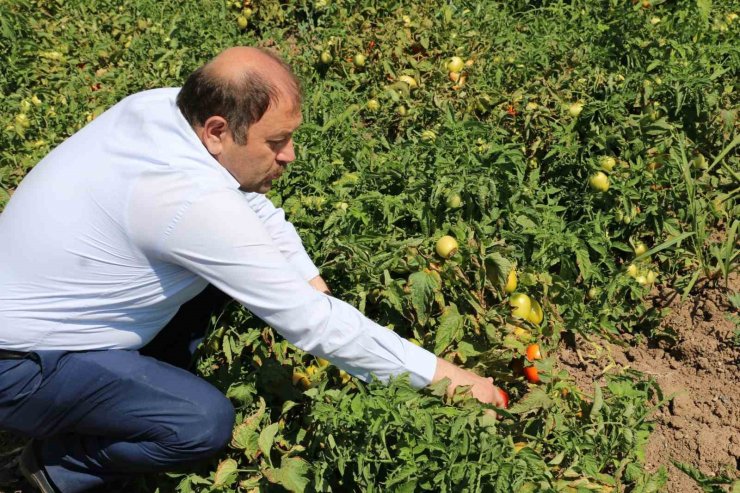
(213, 133)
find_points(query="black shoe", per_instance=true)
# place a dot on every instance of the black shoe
(32, 471)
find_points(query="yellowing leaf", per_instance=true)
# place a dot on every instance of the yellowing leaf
(225, 473)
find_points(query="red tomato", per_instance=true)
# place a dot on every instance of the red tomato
(531, 373)
(533, 352)
(504, 397)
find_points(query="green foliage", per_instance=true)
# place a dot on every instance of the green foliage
(371, 192)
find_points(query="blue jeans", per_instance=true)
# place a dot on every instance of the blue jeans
(100, 416)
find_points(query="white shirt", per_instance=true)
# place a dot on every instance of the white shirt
(131, 217)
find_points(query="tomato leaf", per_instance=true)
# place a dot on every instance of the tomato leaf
(292, 474)
(423, 285)
(226, 473)
(449, 330)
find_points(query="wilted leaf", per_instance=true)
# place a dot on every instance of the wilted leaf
(292, 474)
(225, 473)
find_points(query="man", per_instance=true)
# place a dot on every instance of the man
(123, 223)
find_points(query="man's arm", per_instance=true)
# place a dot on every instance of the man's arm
(245, 263)
(284, 235)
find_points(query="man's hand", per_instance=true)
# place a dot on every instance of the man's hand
(319, 285)
(480, 387)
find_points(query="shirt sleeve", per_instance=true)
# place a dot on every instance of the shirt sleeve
(220, 238)
(283, 234)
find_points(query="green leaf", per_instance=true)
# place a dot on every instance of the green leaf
(449, 330)
(705, 8)
(536, 399)
(423, 285)
(598, 401)
(292, 474)
(497, 269)
(267, 437)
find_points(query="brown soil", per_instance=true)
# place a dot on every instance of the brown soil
(701, 425)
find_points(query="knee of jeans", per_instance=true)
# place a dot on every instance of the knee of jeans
(212, 424)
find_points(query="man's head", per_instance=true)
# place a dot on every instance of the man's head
(244, 106)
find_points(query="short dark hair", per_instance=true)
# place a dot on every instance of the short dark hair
(241, 103)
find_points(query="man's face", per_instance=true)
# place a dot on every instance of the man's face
(268, 150)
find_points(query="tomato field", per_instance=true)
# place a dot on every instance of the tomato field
(574, 158)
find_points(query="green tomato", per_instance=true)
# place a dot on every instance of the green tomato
(575, 109)
(521, 305)
(455, 64)
(599, 181)
(446, 246)
(359, 60)
(454, 201)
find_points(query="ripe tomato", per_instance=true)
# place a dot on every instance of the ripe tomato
(533, 352)
(530, 372)
(521, 305)
(446, 246)
(599, 181)
(504, 397)
(536, 315)
(455, 64)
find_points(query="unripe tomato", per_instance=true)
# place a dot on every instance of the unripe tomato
(401, 110)
(536, 315)
(533, 352)
(322, 363)
(593, 293)
(530, 373)
(326, 57)
(410, 81)
(599, 181)
(344, 377)
(454, 201)
(301, 379)
(607, 163)
(455, 64)
(641, 279)
(359, 60)
(521, 305)
(446, 246)
(521, 334)
(242, 22)
(428, 136)
(640, 248)
(651, 276)
(575, 109)
(373, 105)
(511, 282)
(632, 270)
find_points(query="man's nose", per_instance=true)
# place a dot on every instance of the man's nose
(287, 153)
